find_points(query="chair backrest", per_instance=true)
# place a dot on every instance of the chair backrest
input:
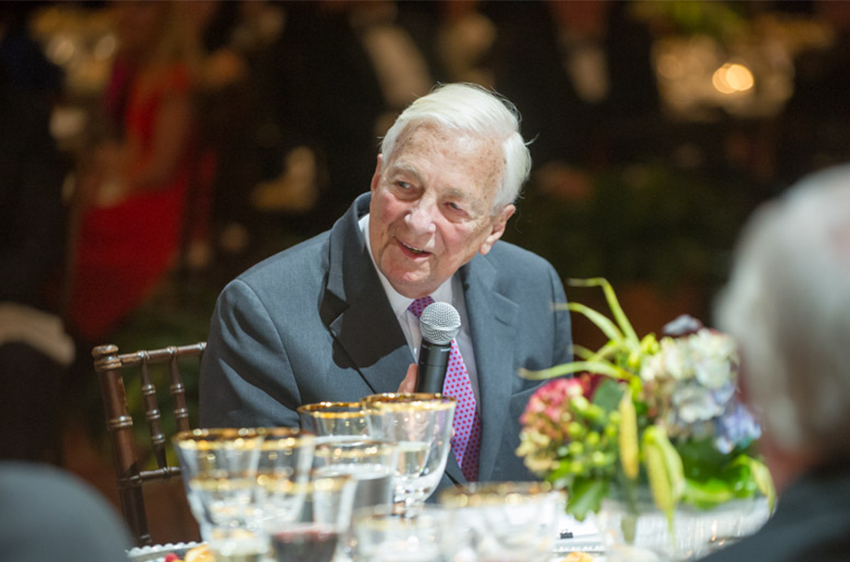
(110, 368)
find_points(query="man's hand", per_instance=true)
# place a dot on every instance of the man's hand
(408, 384)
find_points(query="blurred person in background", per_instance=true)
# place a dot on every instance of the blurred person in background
(788, 306)
(48, 514)
(585, 76)
(238, 76)
(455, 37)
(34, 348)
(334, 81)
(131, 194)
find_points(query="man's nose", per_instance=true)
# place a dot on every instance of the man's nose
(420, 218)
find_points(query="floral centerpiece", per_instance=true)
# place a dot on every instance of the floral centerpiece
(644, 413)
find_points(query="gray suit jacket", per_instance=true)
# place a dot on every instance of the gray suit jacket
(313, 323)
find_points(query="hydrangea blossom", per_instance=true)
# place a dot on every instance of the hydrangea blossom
(735, 428)
(690, 383)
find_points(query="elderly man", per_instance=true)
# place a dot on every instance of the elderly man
(788, 304)
(334, 318)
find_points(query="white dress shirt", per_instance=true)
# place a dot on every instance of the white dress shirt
(451, 291)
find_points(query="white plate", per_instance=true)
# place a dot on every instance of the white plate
(157, 552)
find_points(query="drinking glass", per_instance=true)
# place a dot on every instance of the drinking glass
(371, 463)
(238, 544)
(428, 535)
(334, 419)
(219, 468)
(323, 517)
(421, 427)
(508, 521)
(283, 468)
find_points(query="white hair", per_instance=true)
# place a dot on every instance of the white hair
(474, 110)
(788, 305)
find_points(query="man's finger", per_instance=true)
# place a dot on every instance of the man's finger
(408, 384)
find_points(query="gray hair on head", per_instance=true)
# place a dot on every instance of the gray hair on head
(788, 305)
(474, 110)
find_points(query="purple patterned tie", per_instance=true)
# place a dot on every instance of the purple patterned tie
(466, 440)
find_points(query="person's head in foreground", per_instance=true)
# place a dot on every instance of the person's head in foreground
(788, 305)
(449, 171)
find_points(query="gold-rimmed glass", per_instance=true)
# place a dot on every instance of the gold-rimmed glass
(370, 462)
(219, 469)
(334, 419)
(420, 425)
(313, 532)
(430, 534)
(284, 465)
(510, 521)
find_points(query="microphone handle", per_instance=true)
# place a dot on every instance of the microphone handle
(433, 363)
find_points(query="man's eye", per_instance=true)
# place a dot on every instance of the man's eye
(403, 184)
(455, 206)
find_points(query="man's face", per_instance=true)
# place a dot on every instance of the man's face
(431, 207)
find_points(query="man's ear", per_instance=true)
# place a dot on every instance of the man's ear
(500, 221)
(376, 179)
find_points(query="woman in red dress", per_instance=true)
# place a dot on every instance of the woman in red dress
(133, 196)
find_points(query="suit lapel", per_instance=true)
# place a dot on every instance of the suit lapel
(453, 470)
(492, 326)
(357, 310)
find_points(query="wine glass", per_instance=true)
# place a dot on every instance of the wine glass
(219, 468)
(313, 532)
(420, 425)
(431, 534)
(508, 521)
(334, 419)
(370, 462)
(283, 468)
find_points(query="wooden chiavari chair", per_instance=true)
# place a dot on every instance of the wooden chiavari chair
(130, 477)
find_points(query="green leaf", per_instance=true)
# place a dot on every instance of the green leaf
(599, 367)
(613, 304)
(585, 496)
(560, 477)
(762, 477)
(708, 493)
(608, 395)
(649, 345)
(599, 320)
(675, 468)
(585, 354)
(655, 437)
(628, 437)
(701, 459)
(606, 351)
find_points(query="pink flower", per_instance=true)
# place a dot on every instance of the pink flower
(547, 411)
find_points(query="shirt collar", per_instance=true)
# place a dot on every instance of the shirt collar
(399, 302)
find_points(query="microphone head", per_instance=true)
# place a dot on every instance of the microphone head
(439, 322)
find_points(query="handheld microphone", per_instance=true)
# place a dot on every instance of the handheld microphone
(440, 323)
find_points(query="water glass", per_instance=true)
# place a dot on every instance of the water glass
(429, 534)
(284, 466)
(324, 515)
(219, 468)
(334, 419)
(229, 544)
(508, 521)
(421, 427)
(371, 463)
